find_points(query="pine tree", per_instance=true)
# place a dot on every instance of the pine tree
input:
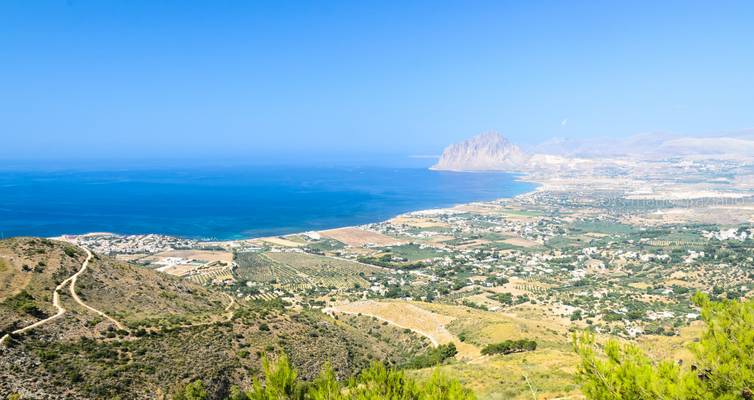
(723, 368)
(374, 383)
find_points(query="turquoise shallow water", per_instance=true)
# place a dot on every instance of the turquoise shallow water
(230, 203)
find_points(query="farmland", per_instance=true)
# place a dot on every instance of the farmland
(296, 273)
(533, 269)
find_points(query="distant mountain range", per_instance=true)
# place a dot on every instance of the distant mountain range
(655, 146)
(493, 152)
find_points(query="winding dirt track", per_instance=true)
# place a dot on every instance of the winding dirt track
(60, 309)
(71, 280)
(75, 296)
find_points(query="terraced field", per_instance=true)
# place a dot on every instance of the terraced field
(211, 275)
(300, 271)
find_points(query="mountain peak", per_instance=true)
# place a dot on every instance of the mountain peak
(489, 151)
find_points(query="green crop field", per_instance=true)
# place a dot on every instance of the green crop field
(414, 252)
(603, 227)
(300, 271)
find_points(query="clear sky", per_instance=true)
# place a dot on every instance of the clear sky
(261, 79)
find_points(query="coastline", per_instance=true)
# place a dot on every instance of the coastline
(517, 177)
(537, 187)
(233, 203)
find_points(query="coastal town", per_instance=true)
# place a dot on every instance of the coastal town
(620, 256)
(492, 293)
(349, 200)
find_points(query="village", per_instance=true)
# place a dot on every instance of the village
(567, 255)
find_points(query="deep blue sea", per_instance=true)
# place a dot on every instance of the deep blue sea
(230, 203)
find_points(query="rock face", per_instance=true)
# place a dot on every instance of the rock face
(485, 152)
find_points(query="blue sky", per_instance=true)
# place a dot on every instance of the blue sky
(267, 80)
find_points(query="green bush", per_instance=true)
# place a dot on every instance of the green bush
(279, 381)
(23, 302)
(70, 251)
(433, 357)
(193, 391)
(504, 298)
(723, 367)
(510, 346)
(376, 382)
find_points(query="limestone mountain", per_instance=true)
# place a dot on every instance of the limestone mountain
(485, 152)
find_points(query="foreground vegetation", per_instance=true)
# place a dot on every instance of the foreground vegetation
(723, 367)
(376, 382)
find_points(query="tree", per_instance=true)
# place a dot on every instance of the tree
(374, 383)
(326, 386)
(439, 386)
(280, 380)
(504, 298)
(510, 346)
(723, 367)
(237, 394)
(434, 356)
(193, 391)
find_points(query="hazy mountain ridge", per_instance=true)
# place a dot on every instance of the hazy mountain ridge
(493, 152)
(653, 145)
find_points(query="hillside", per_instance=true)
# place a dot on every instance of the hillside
(29, 270)
(171, 331)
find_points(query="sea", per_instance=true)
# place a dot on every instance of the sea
(228, 203)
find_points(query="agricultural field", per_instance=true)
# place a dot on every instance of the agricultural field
(358, 237)
(299, 273)
(413, 251)
(216, 275)
(506, 282)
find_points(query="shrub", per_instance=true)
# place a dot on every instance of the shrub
(510, 346)
(504, 298)
(193, 391)
(434, 356)
(23, 302)
(70, 251)
(723, 367)
(375, 382)
(279, 382)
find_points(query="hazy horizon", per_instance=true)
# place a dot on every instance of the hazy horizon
(86, 80)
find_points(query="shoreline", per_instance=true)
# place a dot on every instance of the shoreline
(518, 177)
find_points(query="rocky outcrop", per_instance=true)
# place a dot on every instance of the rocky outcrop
(485, 152)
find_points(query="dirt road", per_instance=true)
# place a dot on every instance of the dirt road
(55, 302)
(59, 307)
(76, 297)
